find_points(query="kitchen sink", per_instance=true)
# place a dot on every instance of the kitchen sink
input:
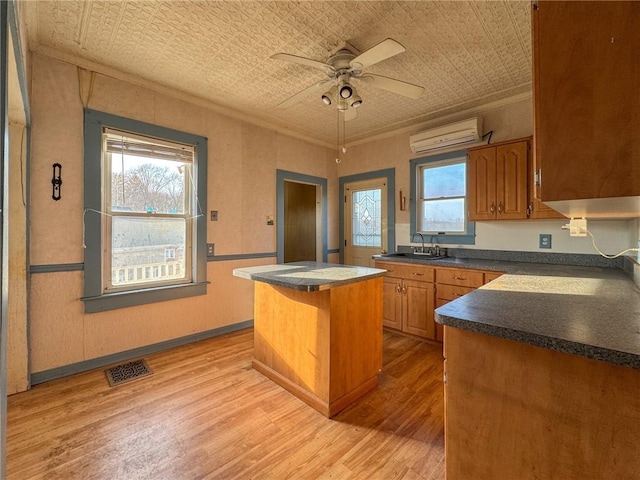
(421, 256)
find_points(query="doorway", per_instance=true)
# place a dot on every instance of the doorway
(301, 214)
(365, 221)
(385, 180)
(301, 217)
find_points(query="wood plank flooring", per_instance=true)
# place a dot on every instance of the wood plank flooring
(206, 414)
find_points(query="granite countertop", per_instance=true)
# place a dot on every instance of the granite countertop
(308, 276)
(588, 311)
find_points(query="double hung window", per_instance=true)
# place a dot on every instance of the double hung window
(442, 201)
(144, 229)
(148, 222)
(439, 198)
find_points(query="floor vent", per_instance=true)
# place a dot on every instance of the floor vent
(127, 372)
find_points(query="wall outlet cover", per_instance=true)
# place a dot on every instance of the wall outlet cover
(545, 240)
(210, 249)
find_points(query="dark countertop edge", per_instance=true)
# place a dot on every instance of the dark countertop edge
(559, 345)
(311, 287)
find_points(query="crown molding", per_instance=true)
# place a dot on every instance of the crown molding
(421, 122)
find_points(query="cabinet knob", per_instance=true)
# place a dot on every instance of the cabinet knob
(492, 208)
(398, 289)
(404, 290)
(417, 274)
(500, 207)
(455, 277)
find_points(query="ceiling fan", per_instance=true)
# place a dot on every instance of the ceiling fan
(344, 65)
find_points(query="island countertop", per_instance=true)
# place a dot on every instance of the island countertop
(308, 276)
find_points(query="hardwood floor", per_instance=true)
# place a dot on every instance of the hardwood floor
(205, 413)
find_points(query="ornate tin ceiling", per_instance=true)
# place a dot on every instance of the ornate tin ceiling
(465, 54)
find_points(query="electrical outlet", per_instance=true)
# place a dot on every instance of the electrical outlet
(214, 215)
(578, 227)
(545, 240)
(210, 249)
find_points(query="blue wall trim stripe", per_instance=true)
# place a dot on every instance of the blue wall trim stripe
(74, 267)
(56, 267)
(240, 256)
(48, 375)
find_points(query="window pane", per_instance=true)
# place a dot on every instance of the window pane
(367, 220)
(443, 216)
(445, 181)
(140, 184)
(147, 250)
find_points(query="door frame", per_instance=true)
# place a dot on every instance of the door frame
(283, 176)
(390, 175)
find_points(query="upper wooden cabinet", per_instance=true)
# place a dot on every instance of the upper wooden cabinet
(497, 181)
(586, 101)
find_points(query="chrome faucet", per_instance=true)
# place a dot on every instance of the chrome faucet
(422, 237)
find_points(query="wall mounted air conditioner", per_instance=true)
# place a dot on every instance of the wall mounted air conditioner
(445, 136)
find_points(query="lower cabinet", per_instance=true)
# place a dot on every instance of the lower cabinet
(453, 283)
(411, 293)
(409, 299)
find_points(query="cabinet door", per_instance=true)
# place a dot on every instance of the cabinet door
(537, 209)
(392, 303)
(481, 184)
(512, 169)
(586, 101)
(419, 305)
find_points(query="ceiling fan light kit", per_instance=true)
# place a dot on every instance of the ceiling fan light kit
(346, 64)
(329, 96)
(355, 101)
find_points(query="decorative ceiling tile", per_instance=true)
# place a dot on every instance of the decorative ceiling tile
(464, 53)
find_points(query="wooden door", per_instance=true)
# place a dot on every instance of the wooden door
(481, 184)
(300, 222)
(419, 305)
(365, 221)
(392, 303)
(586, 102)
(511, 180)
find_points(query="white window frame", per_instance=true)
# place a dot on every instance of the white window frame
(187, 214)
(422, 200)
(453, 238)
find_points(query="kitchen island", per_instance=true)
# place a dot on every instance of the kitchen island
(318, 330)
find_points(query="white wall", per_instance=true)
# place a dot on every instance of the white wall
(611, 236)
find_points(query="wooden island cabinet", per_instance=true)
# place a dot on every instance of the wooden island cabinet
(318, 330)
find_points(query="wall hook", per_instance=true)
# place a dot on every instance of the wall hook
(56, 181)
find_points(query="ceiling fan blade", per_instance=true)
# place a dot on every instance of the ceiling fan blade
(298, 97)
(396, 86)
(302, 61)
(383, 50)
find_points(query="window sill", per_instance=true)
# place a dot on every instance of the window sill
(113, 301)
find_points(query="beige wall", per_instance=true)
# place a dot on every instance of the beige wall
(510, 121)
(242, 164)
